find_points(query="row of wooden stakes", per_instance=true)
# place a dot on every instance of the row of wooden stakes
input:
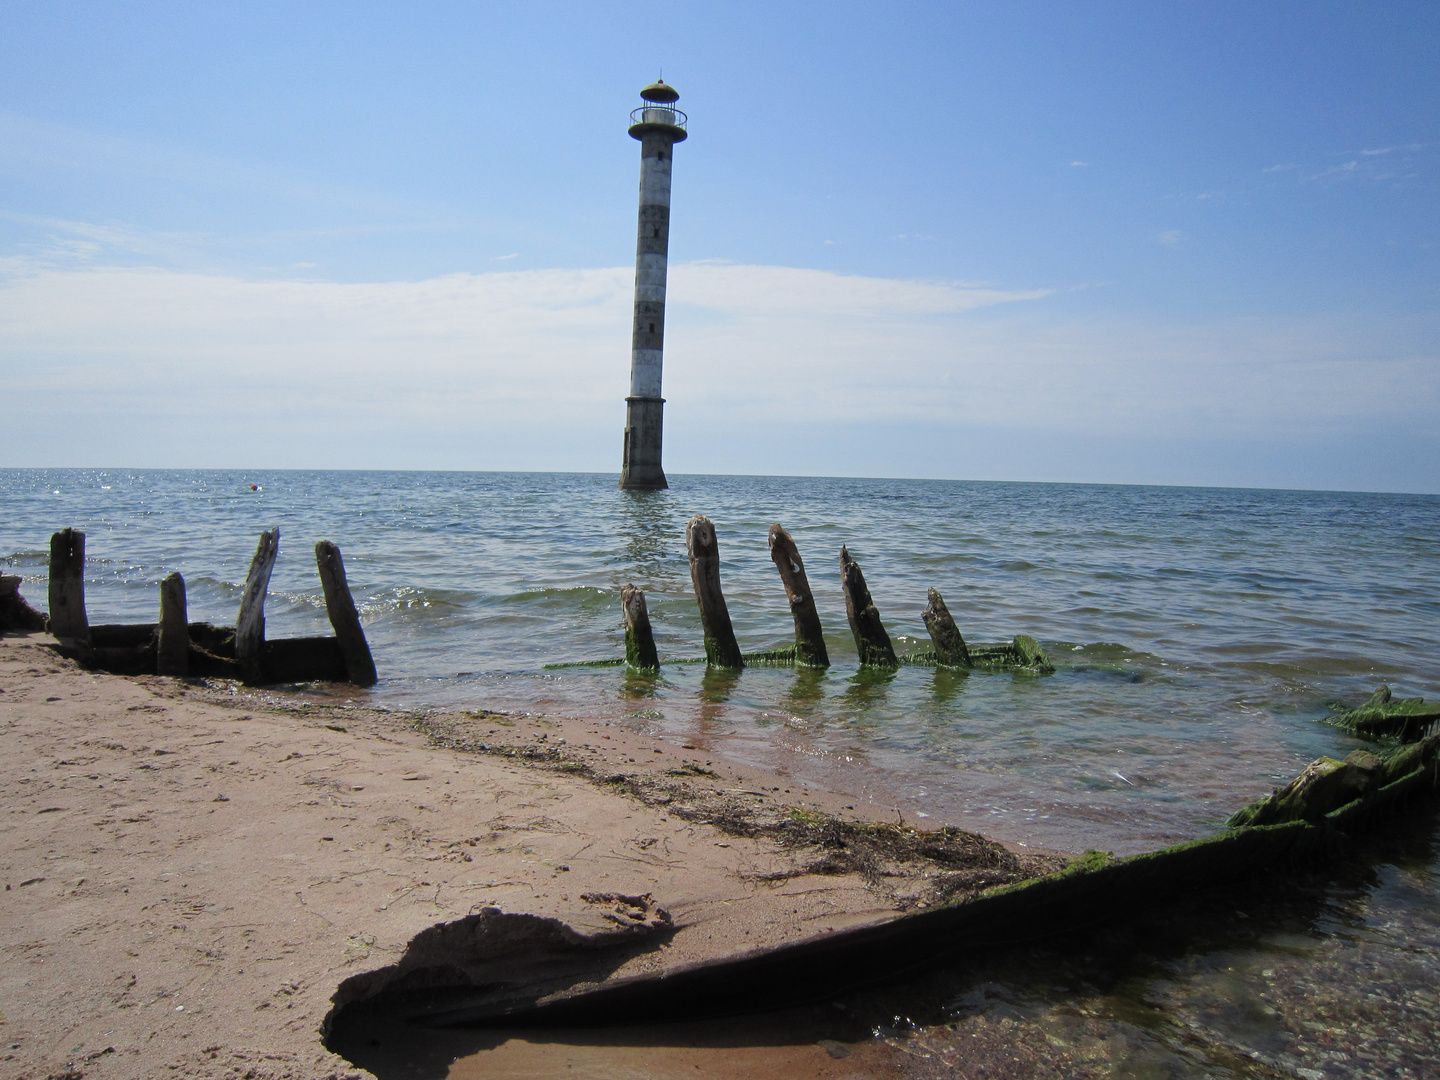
(176, 646)
(871, 641)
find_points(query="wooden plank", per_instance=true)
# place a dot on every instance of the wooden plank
(67, 587)
(250, 624)
(640, 651)
(721, 649)
(810, 648)
(172, 656)
(950, 648)
(340, 605)
(871, 640)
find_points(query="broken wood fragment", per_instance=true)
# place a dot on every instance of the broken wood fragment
(949, 645)
(15, 613)
(67, 586)
(810, 648)
(250, 625)
(640, 651)
(871, 640)
(344, 617)
(721, 649)
(172, 656)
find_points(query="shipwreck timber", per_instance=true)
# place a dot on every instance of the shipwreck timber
(175, 646)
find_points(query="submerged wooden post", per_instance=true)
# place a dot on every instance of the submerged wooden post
(640, 651)
(250, 625)
(871, 640)
(721, 649)
(67, 586)
(950, 647)
(809, 637)
(340, 605)
(172, 655)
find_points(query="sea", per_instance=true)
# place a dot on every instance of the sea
(1200, 636)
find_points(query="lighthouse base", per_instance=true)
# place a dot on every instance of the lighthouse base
(644, 428)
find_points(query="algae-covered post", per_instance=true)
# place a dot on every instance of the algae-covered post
(172, 654)
(640, 651)
(871, 640)
(340, 606)
(950, 647)
(67, 586)
(809, 637)
(250, 625)
(721, 649)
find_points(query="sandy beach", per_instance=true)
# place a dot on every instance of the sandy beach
(193, 869)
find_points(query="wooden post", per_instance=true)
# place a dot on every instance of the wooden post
(721, 649)
(340, 605)
(871, 640)
(640, 651)
(250, 625)
(172, 656)
(67, 586)
(809, 637)
(949, 645)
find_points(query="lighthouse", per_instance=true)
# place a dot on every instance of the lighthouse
(659, 125)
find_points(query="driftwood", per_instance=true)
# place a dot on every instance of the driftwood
(1095, 889)
(721, 649)
(15, 613)
(640, 651)
(172, 652)
(250, 625)
(871, 640)
(340, 605)
(67, 586)
(809, 637)
(950, 647)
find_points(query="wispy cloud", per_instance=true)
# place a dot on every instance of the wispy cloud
(1171, 238)
(124, 355)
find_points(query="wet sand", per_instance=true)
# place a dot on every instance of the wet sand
(191, 870)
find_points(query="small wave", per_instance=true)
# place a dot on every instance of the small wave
(29, 558)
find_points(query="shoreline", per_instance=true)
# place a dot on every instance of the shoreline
(193, 868)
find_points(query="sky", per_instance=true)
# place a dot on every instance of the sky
(1168, 243)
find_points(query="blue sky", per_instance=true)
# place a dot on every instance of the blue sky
(1112, 242)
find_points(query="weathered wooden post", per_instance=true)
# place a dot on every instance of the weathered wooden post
(340, 605)
(172, 655)
(250, 625)
(721, 649)
(67, 586)
(809, 637)
(871, 640)
(640, 651)
(949, 645)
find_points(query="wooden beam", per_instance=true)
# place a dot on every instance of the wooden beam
(809, 637)
(67, 587)
(871, 640)
(250, 625)
(640, 651)
(344, 617)
(950, 647)
(721, 649)
(172, 656)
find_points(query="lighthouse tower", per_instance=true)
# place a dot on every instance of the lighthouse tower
(659, 126)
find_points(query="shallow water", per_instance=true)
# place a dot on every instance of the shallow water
(1199, 635)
